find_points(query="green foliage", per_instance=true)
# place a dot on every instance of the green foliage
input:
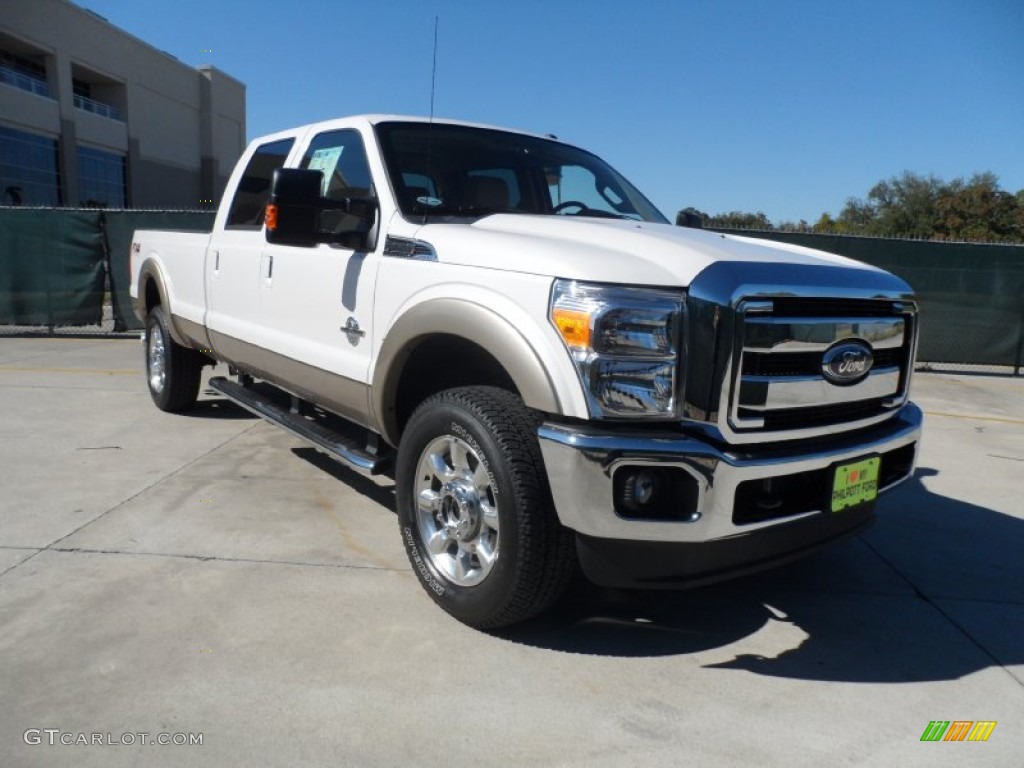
(928, 208)
(911, 206)
(736, 220)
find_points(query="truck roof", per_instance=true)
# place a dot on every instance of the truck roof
(374, 119)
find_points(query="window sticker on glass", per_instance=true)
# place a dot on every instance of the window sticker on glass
(430, 202)
(326, 161)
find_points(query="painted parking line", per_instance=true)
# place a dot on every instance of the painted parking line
(100, 371)
(974, 418)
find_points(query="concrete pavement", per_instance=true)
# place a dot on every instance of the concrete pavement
(207, 574)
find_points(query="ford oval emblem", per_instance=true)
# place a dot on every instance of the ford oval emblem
(847, 362)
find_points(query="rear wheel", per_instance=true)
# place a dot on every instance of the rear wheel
(172, 371)
(475, 509)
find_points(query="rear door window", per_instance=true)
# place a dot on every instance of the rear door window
(253, 193)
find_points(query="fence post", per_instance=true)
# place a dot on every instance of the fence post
(1020, 345)
(49, 278)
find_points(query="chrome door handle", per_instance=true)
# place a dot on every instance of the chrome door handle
(353, 331)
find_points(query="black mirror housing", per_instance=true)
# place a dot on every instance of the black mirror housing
(294, 210)
(295, 213)
(688, 218)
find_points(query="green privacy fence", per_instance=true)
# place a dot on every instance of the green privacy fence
(971, 295)
(68, 269)
(119, 226)
(51, 267)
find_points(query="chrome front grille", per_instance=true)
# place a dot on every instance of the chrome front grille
(776, 383)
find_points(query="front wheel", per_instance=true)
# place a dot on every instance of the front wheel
(172, 371)
(475, 509)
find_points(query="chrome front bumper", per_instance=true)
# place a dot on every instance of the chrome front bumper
(581, 462)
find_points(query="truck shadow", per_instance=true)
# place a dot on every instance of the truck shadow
(382, 492)
(934, 591)
(217, 407)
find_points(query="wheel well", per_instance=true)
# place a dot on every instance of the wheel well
(442, 362)
(152, 295)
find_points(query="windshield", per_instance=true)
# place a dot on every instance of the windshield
(453, 170)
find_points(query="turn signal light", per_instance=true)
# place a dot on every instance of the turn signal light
(573, 325)
(271, 217)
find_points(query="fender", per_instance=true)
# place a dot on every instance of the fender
(150, 270)
(469, 321)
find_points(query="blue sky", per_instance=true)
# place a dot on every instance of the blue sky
(783, 107)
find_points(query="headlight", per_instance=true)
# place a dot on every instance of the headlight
(625, 344)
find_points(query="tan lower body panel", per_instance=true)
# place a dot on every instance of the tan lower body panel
(194, 333)
(336, 393)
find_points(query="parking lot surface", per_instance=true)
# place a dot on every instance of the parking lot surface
(206, 574)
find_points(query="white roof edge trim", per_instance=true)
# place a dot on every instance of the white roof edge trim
(374, 119)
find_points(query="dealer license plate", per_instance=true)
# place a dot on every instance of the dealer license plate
(855, 483)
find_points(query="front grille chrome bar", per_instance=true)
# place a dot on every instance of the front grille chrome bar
(816, 334)
(775, 384)
(765, 393)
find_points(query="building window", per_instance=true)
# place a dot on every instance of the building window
(81, 88)
(96, 93)
(23, 73)
(101, 179)
(29, 172)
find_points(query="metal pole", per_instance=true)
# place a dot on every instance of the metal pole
(1020, 345)
(49, 275)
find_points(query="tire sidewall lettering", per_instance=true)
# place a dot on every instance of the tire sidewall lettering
(425, 573)
(461, 432)
(533, 558)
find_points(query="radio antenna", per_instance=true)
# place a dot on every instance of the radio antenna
(430, 123)
(433, 72)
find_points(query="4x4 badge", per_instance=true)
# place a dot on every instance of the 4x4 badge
(847, 362)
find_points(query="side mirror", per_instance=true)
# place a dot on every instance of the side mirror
(689, 218)
(296, 212)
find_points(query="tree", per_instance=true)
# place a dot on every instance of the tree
(857, 217)
(911, 205)
(824, 225)
(978, 210)
(906, 205)
(739, 220)
(795, 226)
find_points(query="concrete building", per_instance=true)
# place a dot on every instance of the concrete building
(92, 116)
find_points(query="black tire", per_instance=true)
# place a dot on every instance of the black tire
(533, 558)
(181, 367)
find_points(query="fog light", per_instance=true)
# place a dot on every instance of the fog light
(643, 486)
(656, 493)
(640, 489)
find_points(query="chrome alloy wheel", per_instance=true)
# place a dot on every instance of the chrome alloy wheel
(156, 358)
(457, 511)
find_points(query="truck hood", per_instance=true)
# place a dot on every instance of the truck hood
(607, 250)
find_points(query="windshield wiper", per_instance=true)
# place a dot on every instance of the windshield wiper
(596, 213)
(475, 211)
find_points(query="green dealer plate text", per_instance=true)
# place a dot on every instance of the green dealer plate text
(855, 483)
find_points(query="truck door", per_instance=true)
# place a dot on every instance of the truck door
(316, 303)
(233, 261)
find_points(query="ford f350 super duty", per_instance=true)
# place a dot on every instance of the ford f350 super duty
(557, 377)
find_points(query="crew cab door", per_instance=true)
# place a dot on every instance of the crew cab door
(316, 303)
(233, 259)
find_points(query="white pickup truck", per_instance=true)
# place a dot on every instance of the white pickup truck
(557, 376)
